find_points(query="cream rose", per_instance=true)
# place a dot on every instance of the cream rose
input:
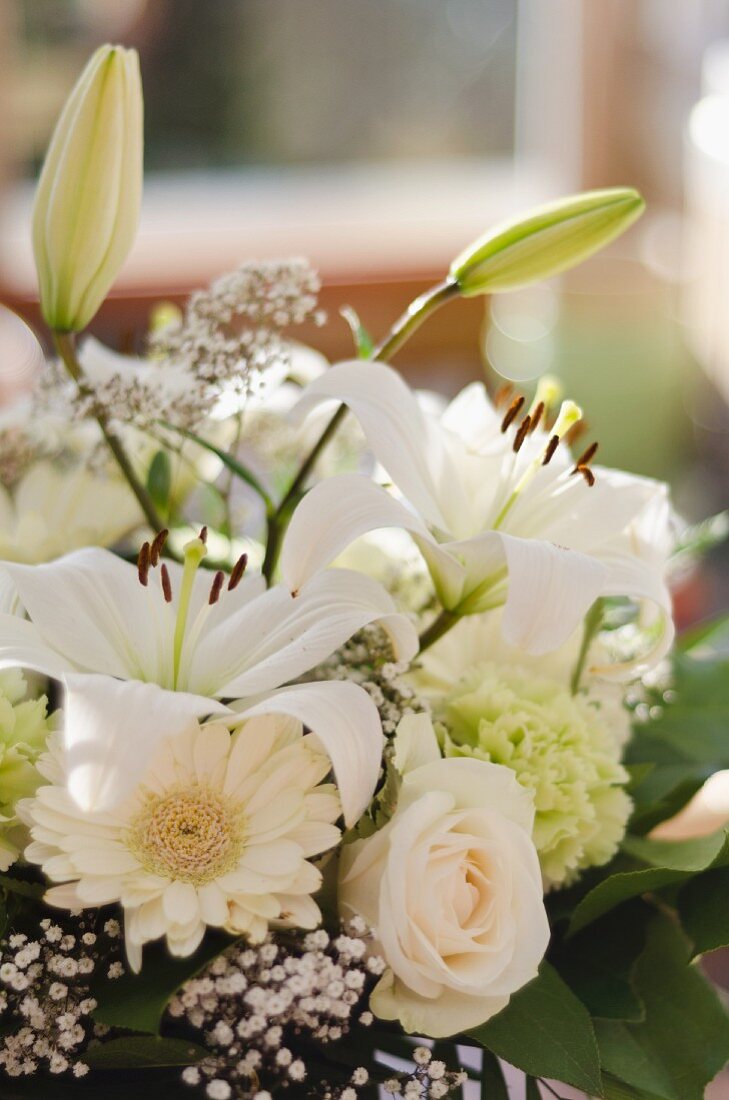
(452, 888)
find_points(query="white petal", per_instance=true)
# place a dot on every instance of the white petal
(409, 444)
(338, 511)
(415, 743)
(91, 609)
(550, 588)
(277, 637)
(111, 730)
(180, 903)
(21, 645)
(347, 723)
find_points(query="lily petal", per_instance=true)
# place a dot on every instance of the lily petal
(550, 588)
(284, 636)
(111, 626)
(343, 508)
(406, 442)
(22, 646)
(113, 727)
(347, 723)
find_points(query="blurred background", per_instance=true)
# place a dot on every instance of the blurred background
(377, 138)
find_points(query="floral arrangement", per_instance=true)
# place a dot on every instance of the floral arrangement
(338, 724)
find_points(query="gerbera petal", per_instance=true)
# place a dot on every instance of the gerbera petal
(347, 723)
(111, 730)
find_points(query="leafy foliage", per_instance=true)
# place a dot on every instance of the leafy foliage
(137, 1001)
(547, 1032)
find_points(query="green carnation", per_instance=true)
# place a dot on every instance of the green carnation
(560, 746)
(24, 729)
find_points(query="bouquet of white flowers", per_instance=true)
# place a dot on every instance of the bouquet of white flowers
(334, 740)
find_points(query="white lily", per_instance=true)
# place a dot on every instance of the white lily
(500, 511)
(115, 642)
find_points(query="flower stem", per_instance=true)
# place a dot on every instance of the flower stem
(438, 628)
(592, 624)
(66, 348)
(400, 332)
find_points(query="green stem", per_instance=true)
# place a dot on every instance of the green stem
(438, 628)
(593, 621)
(65, 346)
(400, 332)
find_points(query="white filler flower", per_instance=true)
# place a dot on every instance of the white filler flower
(219, 831)
(500, 510)
(451, 887)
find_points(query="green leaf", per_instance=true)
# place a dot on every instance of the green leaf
(138, 1001)
(598, 963)
(670, 863)
(143, 1052)
(532, 1090)
(547, 1032)
(703, 905)
(362, 340)
(159, 480)
(493, 1083)
(684, 1040)
(621, 1053)
(681, 760)
(13, 885)
(545, 241)
(230, 463)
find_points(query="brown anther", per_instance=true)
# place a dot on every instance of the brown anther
(550, 449)
(203, 536)
(166, 583)
(143, 564)
(536, 417)
(502, 394)
(237, 572)
(512, 412)
(216, 587)
(587, 474)
(522, 433)
(586, 458)
(158, 546)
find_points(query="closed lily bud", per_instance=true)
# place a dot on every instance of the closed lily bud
(87, 203)
(545, 241)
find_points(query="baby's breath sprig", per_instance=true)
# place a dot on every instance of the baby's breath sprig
(265, 1011)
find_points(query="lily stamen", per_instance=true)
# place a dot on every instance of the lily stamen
(216, 587)
(512, 412)
(536, 416)
(158, 545)
(522, 433)
(549, 450)
(502, 394)
(586, 458)
(143, 563)
(237, 572)
(166, 583)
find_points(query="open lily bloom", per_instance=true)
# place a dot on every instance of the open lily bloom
(500, 510)
(98, 623)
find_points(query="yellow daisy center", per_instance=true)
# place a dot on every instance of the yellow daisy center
(191, 835)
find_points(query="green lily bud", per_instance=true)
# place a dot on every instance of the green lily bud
(87, 203)
(545, 241)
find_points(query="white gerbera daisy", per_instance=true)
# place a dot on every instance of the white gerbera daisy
(219, 831)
